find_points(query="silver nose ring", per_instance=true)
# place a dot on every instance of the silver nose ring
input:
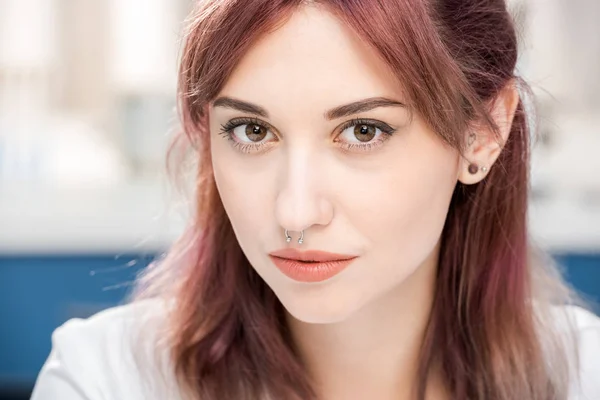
(288, 238)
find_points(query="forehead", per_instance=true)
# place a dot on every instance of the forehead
(312, 62)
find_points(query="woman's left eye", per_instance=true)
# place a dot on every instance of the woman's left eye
(364, 135)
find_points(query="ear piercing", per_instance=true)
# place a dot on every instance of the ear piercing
(474, 168)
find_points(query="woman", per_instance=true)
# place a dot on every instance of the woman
(360, 227)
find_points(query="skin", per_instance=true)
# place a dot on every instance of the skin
(358, 332)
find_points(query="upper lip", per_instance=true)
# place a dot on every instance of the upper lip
(310, 255)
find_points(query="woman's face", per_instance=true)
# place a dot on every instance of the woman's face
(378, 188)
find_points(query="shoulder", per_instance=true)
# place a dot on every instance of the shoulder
(107, 325)
(586, 328)
(100, 356)
(111, 332)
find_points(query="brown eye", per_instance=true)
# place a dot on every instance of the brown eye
(248, 136)
(255, 133)
(364, 133)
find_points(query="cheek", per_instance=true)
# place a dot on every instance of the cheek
(236, 183)
(403, 211)
(245, 194)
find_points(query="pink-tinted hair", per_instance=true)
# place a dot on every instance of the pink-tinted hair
(227, 333)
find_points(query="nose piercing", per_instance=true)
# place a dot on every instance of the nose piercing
(288, 238)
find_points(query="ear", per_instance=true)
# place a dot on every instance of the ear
(483, 146)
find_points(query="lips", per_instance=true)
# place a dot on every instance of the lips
(310, 255)
(310, 265)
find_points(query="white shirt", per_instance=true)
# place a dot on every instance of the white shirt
(93, 358)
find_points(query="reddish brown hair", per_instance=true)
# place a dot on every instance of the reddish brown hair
(227, 332)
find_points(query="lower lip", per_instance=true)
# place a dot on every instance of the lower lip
(310, 272)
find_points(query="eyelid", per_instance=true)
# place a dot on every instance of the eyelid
(235, 122)
(367, 121)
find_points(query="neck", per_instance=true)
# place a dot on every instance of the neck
(375, 352)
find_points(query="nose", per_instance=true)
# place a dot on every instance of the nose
(302, 200)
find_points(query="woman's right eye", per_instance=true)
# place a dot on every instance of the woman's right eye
(246, 136)
(253, 132)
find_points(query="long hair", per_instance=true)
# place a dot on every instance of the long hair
(490, 327)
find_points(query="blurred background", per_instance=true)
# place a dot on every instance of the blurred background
(87, 96)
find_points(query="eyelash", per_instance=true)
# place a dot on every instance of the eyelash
(227, 132)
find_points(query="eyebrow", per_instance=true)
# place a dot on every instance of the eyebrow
(337, 112)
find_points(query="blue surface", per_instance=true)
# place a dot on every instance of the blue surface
(39, 293)
(583, 272)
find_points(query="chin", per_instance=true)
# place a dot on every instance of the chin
(325, 307)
